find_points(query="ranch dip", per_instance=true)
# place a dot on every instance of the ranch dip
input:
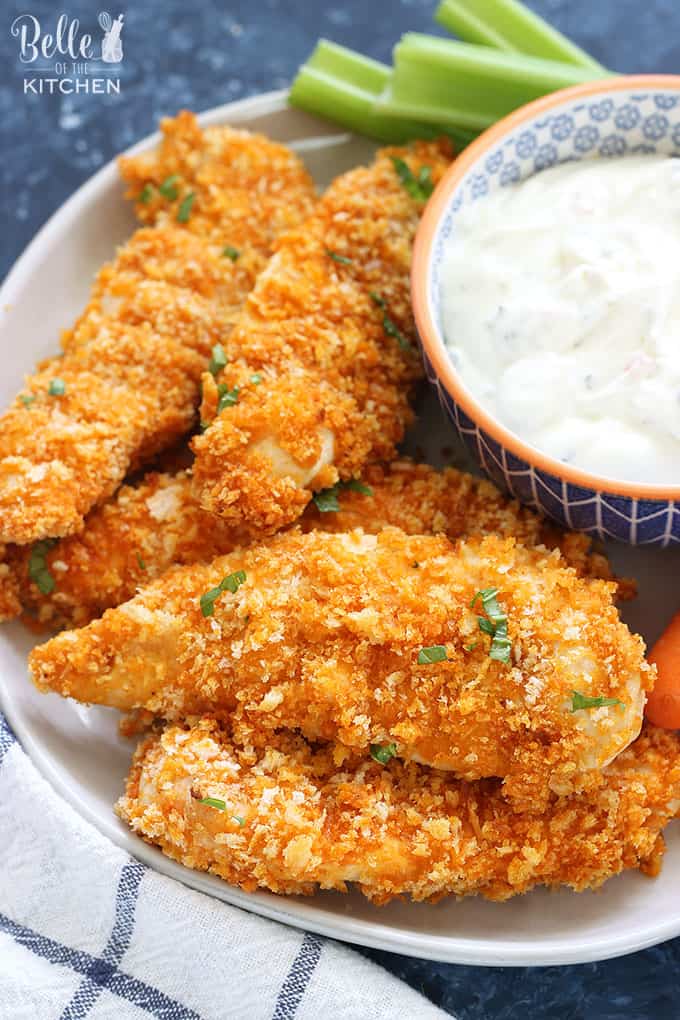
(561, 311)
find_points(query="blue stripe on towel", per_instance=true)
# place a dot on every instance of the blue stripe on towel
(298, 978)
(102, 973)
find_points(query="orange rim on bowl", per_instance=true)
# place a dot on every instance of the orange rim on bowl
(431, 338)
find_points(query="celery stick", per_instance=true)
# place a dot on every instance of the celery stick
(509, 25)
(445, 82)
(342, 86)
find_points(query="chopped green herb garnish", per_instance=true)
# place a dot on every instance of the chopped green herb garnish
(146, 194)
(168, 187)
(355, 485)
(383, 752)
(227, 397)
(431, 654)
(38, 571)
(231, 253)
(218, 360)
(579, 701)
(256, 378)
(495, 624)
(140, 561)
(57, 388)
(471, 647)
(26, 401)
(214, 802)
(342, 259)
(389, 325)
(232, 583)
(184, 210)
(327, 499)
(420, 187)
(221, 805)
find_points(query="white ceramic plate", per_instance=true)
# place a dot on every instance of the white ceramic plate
(78, 749)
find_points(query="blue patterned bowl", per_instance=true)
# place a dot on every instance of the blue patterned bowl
(610, 118)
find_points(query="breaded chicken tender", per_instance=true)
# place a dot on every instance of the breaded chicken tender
(246, 188)
(323, 354)
(146, 529)
(290, 820)
(383, 640)
(129, 382)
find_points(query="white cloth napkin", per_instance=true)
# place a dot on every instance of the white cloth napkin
(88, 932)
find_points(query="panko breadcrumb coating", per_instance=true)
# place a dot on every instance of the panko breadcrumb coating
(326, 633)
(247, 188)
(129, 382)
(294, 821)
(146, 529)
(323, 354)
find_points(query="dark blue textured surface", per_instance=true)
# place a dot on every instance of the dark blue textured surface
(197, 56)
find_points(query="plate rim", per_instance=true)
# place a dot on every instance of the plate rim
(305, 914)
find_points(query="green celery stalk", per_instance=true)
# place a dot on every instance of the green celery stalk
(445, 82)
(342, 86)
(509, 25)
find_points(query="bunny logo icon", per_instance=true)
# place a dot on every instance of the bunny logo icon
(112, 47)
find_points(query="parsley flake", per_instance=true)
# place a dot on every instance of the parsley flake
(495, 624)
(256, 378)
(232, 583)
(140, 561)
(327, 499)
(214, 802)
(471, 647)
(230, 252)
(389, 325)
(168, 188)
(420, 187)
(383, 752)
(431, 654)
(26, 401)
(57, 388)
(184, 210)
(342, 259)
(146, 194)
(38, 571)
(227, 397)
(579, 701)
(218, 360)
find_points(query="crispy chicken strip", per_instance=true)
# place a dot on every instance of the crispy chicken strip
(247, 189)
(343, 635)
(323, 353)
(146, 529)
(289, 819)
(129, 382)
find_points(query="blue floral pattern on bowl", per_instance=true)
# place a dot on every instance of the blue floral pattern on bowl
(627, 122)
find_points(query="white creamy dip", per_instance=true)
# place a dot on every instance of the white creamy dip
(561, 310)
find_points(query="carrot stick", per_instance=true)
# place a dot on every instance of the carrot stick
(663, 704)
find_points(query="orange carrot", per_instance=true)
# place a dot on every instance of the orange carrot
(663, 704)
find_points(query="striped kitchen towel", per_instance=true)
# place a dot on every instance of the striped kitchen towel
(88, 932)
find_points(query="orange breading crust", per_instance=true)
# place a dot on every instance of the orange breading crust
(324, 635)
(125, 396)
(247, 189)
(134, 359)
(144, 530)
(170, 278)
(328, 332)
(294, 822)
